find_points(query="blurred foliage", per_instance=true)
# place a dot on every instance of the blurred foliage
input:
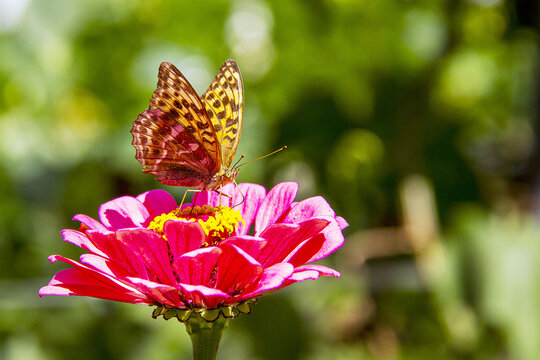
(417, 120)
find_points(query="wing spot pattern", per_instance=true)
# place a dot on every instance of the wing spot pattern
(174, 113)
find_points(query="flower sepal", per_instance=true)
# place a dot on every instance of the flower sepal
(209, 315)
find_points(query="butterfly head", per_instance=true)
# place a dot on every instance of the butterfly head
(224, 176)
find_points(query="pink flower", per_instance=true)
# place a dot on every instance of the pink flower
(145, 250)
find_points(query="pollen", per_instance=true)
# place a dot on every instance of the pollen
(218, 222)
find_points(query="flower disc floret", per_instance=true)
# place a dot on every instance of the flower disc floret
(218, 223)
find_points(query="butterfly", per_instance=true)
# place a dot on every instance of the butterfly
(187, 140)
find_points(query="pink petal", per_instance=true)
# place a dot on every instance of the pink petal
(235, 269)
(203, 296)
(152, 249)
(104, 266)
(309, 272)
(252, 245)
(76, 282)
(116, 251)
(272, 278)
(312, 272)
(306, 209)
(157, 202)
(274, 204)
(305, 251)
(249, 197)
(342, 222)
(81, 240)
(90, 271)
(333, 240)
(163, 294)
(284, 238)
(183, 236)
(123, 212)
(196, 267)
(89, 223)
(98, 278)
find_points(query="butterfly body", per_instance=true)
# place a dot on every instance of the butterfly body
(187, 140)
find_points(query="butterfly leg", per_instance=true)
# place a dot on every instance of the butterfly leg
(222, 194)
(196, 191)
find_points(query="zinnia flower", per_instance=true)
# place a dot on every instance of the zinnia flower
(200, 257)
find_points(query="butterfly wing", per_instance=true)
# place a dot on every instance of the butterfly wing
(224, 104)
(175, 140)
(176, 97)
(167, 150)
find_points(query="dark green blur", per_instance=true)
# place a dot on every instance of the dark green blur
(417, 120)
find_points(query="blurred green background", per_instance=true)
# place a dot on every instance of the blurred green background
(417, 120)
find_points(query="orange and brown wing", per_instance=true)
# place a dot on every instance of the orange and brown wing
(170, 152)
(176, 97)
(224, 103)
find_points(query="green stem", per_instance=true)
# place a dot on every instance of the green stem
(205, 336)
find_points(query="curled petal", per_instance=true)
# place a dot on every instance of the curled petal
(87, 223)
(275, 204)
(272, 278)
(157, 202)
(312, 272)
(342, 222)
(305, 251)
(318, 207)
(203, 296)
(163, 294)
(284, 238)
(123, 212)
(309, 272)
(81, 240)
(333, 240)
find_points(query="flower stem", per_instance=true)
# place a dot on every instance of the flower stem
(205, 336)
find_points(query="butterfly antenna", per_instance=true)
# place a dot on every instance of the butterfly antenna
(236, 163)
(262, 157)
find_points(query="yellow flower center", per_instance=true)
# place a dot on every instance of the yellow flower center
(218, 222)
